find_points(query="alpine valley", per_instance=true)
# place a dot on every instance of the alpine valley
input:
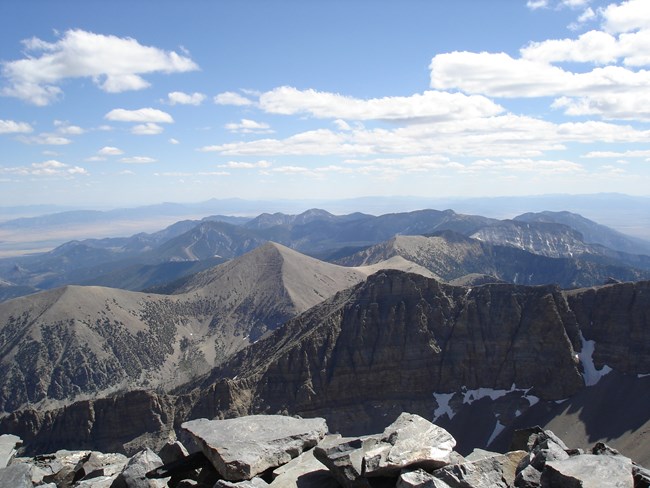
(480, 325)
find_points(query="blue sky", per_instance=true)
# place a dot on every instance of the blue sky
(126, 103)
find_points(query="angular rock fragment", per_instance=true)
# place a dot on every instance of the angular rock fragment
(410, 440)
(16, 476)
(134, 473)
(588, 471)
(172, 451)
(419, 479)
(488, 472)
(241, 448)
(8, 445)
(306, 470)
(252, 483)
(344, 459)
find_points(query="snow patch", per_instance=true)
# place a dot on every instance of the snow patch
(642, 375)
(591, 375)
(470, 396)
(442, 399)
(498, 428)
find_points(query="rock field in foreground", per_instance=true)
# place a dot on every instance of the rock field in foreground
(287, 452)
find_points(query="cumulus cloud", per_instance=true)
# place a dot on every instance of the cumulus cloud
(246, 165)
(110, 151)
(12, 127)
(437, 105)
(63, 127)
(138, 160)
(247, 126)
(148, 129)
(536, 4)
(181, 98)
(141, 115)
(45, 139)
(114, 64)
(51, 167)
(627, 16)
(232, 98)
(502, 136)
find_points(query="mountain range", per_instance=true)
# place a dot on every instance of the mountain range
(462, 319)
(143, 261)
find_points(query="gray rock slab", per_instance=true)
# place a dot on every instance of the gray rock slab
(419, 479)
(241, 448)
(8, 445)
(16, 476)
(306, 471)
(490, 472)
(588, 471)
(477, 454)
(344, 459)
(133, 474)
(172, 451)
(252, 483)
(528, 477)
(409, 441)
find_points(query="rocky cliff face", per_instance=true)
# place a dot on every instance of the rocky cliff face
(401, 342)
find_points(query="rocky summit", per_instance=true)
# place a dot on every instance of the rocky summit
(287, 452)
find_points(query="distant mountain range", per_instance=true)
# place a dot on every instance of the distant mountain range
(144, 261)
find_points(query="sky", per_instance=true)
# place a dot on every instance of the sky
(138, 102)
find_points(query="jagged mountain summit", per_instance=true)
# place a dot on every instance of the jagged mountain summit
(77, 342)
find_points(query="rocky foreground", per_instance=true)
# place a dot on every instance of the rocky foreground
(279, 451)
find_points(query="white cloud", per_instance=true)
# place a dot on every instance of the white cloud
(200, 173)
(536, 4)
(11, 127)
(436, 105)
(110, 151)
(232, 98)
(138, 160)
(247, 126)
(342, 124)
(141, 115)
(64, 127)
(501, 136)
(173, 141)
(180, 98)
(45, 139)
(586, 16)
(545, 167)
(593, 46)
(148, 129)
(114, 64)
(626, 16)
(246, 165)
(645, 153)
(51, 167)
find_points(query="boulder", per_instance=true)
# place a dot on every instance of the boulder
(16, 476)
(488, 472)
(172, 451)
(8, 445)
(419, 479)
(252, 483)
(134, 473)
(409, 441)
(241, 448)
(306, 470)
(344, 460)
(588, 471)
